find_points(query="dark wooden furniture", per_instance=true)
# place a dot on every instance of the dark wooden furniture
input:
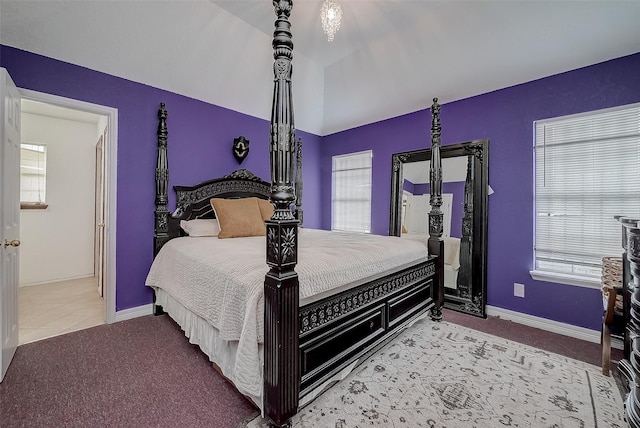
(470, 296)
(613, 318)
(304, 346)
(333, 332)
(629, 367)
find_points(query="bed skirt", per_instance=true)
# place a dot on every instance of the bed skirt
(222, 352)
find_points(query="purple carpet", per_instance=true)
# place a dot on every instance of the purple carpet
(141, 372)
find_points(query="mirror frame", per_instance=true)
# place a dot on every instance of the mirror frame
(479, 150)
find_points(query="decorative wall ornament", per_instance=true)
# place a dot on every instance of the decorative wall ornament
(240, 148)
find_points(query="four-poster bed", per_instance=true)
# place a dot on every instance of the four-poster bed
(305, 322)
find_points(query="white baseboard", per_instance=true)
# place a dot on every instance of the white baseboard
(139, 311)
(53, 281)
(550, 325)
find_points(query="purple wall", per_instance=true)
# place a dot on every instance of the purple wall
(408, 186)
(506, 118)
(200, 138)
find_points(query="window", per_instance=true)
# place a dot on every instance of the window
(586, 171)
(33, 177)
(351, 192)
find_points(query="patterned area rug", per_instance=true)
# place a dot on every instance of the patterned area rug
(441, 375)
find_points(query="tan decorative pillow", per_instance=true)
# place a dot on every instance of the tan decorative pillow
(238, 217)
(266, 208)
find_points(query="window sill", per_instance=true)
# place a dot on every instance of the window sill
(33, 206)
(578, 281)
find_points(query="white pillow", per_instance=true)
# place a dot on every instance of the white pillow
(200, 227)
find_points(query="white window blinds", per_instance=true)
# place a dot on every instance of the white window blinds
(351, 192)
(33, 173)
(587, 170)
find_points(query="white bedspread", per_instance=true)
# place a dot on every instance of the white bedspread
(222, 280)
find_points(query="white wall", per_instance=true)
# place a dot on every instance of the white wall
(57, 243)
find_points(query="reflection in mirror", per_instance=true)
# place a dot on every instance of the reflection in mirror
(464, 207)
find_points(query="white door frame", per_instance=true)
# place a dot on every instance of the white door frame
(111, 194)
(99, 204)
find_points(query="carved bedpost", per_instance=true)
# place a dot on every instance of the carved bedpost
(281, 291)
(299, 215)
(466, 262)
(435, 243)
(161, 232)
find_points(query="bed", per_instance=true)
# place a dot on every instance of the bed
(451, 256)
(282, 331)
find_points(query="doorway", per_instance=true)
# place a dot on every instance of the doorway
(73, 285)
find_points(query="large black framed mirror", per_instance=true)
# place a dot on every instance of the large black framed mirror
(465, 175)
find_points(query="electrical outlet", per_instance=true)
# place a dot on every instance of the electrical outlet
(518, 289)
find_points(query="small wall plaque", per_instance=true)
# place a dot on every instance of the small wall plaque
(240, 148)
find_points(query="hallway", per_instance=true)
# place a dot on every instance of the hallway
(62, 307)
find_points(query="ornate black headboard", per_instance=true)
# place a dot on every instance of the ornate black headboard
(194, 201)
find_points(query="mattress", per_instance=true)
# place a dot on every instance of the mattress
(221, 281)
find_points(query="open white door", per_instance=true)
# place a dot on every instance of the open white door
(9, 217)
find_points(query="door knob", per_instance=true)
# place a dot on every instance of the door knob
(13, 243)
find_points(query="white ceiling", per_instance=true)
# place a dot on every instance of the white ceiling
(389, 57)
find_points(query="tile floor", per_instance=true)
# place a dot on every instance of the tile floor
(48, 310)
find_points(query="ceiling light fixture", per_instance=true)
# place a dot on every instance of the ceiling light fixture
(331, 15)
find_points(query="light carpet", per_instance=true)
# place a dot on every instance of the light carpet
(441, 375)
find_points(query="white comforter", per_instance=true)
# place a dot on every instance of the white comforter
(222, 280)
